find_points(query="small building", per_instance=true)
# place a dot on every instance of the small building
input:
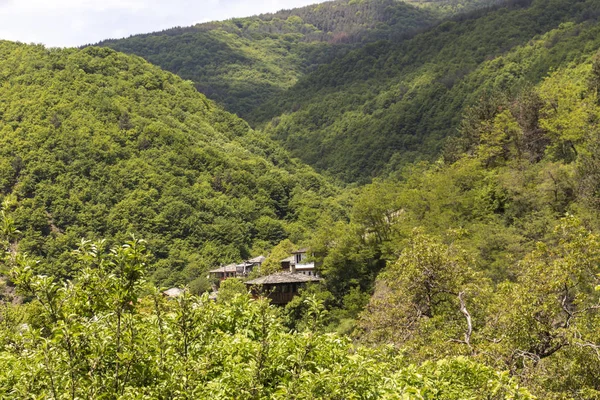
(245, 268)
(241, 270)
(302, 266)
(281, 287)
(224, 272)
(297, 263)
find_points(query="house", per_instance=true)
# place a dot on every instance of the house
(281, 287)
(302, 265)
(244, 269)
(224, 272)
(237, 270)
(297, 263)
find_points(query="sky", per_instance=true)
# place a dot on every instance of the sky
(65, 23)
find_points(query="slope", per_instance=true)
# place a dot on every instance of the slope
(94, 144)
(451, 7)
(244, 61)
(392, 103)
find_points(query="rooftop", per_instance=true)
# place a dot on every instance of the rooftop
(289, 259)
(301, 251)
(173, 292)
(257, 260)
(226, 268)
(283, 277)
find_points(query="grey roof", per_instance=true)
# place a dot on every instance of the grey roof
(173, 292)
(226, 268)
(282, 277)
(301, 251)
(244, 264)
(289, 259)
(257, 260)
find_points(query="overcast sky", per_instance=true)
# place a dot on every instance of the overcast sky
(77, 22)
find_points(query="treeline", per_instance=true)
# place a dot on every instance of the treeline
(242, 62)
(452, 7)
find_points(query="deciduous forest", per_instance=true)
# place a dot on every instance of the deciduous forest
(441, 161)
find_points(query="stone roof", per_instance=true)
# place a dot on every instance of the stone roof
(226, 268)
(282, 277)
(257, 260)
(289, 259)
(244, 264)
(300, 251)
(173, 292)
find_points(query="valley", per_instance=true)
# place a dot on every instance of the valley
(353, 199)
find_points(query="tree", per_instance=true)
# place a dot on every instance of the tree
(427, 288)
(272, 263)
(230, 288)
(545, 321)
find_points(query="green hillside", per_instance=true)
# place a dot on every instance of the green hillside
(242, 62)
(461, 260)
(389, 104)
(451, 7)
(493, 251)
(97, 144)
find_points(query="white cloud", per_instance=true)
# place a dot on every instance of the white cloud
(78, 22)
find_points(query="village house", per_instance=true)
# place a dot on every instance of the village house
(245, 268)
(224, 272)
(297, 263)
(281, 287)
(241, 270)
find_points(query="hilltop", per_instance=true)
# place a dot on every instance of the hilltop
(242, 62)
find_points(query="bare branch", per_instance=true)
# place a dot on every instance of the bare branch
(463, 309)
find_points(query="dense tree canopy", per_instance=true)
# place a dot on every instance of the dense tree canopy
(390, 103)
(491, 252)
(243, 62)
(473, 273)
(94, 144)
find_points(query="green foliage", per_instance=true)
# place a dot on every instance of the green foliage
(107, 335)
(500, 270)
(230, 289)
(387, 104)
(486, 260)
(272, 263)
(94, 143)
(243, 62)
(445, 7)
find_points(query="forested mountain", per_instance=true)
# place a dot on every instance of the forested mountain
(391, 103)
(97, 144)
(451, 7)
(466, 266)
(361, 89)
(492, 252)
(242, 62)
